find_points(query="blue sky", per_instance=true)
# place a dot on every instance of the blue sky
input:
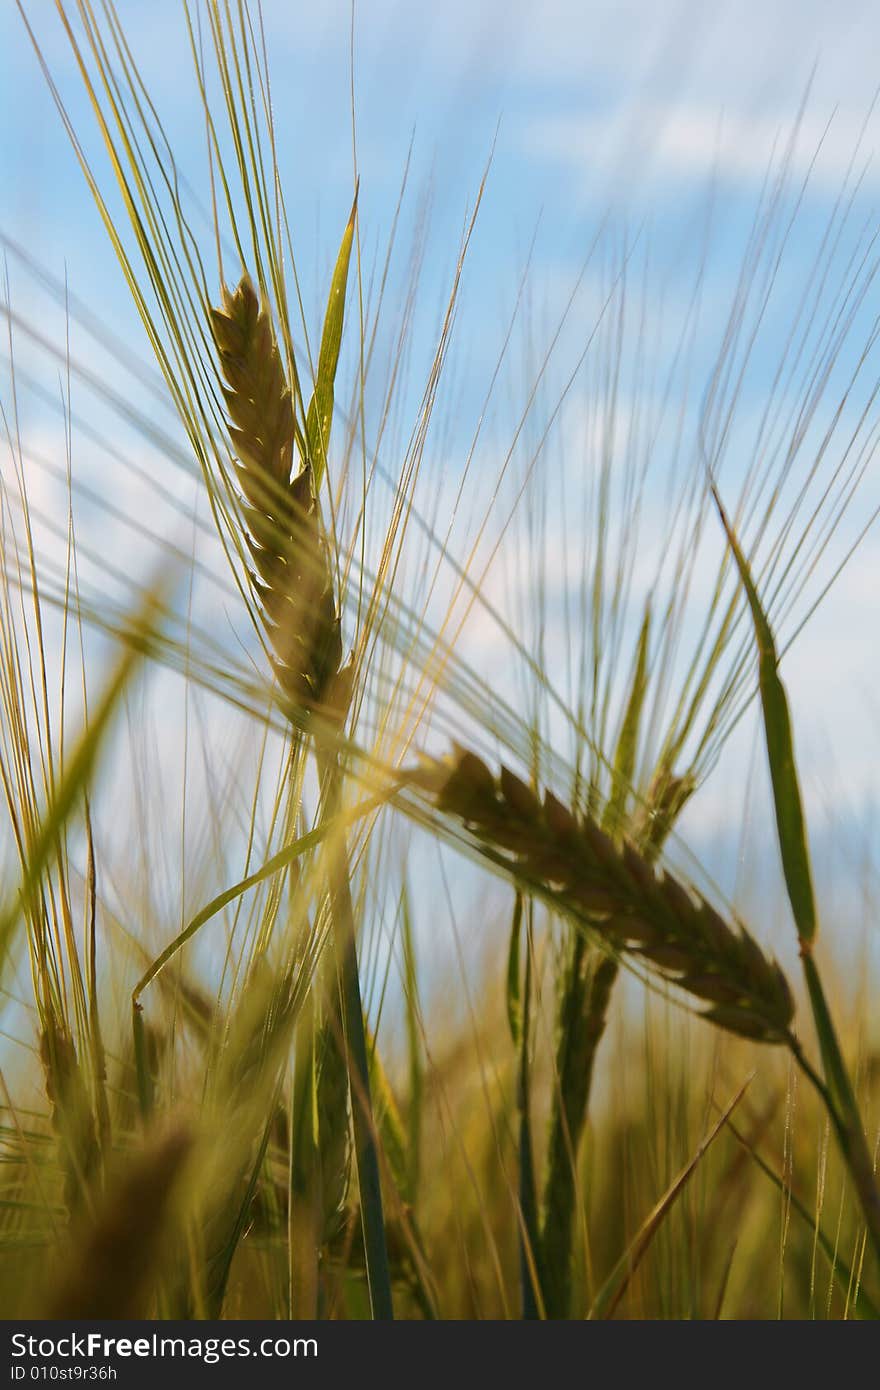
(645, 113)
(631, 104)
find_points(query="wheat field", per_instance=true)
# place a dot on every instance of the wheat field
(370, 678)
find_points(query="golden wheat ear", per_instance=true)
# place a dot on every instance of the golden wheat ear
(616, 890)
(291, 573)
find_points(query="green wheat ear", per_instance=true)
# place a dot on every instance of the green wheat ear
(291, 573)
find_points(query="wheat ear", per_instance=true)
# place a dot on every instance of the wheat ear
(616, 891)
(291, 577)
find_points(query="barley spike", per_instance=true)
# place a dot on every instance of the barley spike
(291, 575)
(614, 888)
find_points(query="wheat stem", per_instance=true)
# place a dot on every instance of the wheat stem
(588, 980)
(840, 1102)
(585, 995)
(304, 1196)
(366, 1149)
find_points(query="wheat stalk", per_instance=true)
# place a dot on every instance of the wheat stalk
(615, 890)
(586, 986)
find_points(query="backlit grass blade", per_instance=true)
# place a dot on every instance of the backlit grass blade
(837, 1092)
(274, 865)
(793, 846)
(78, 770)
(320, 412)
(282, 860)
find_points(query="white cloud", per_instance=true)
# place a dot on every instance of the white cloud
(699, 142)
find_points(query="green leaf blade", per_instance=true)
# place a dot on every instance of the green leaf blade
(320, 413)
(790, 824)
